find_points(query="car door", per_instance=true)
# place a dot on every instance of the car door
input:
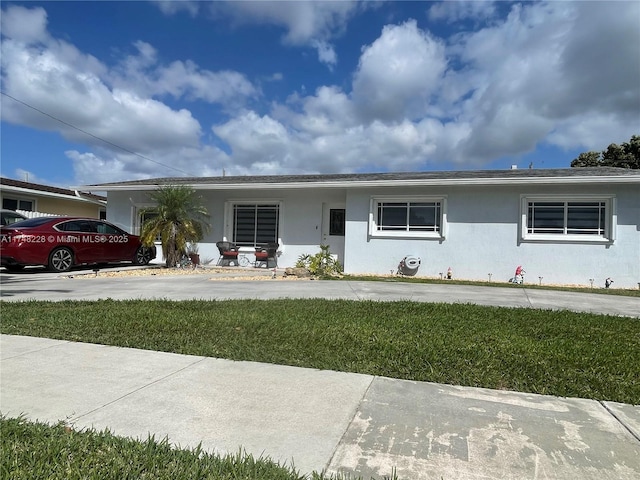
(82, 237)
(118, 245)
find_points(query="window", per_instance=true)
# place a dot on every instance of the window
(423, 217)
(17, 204)
(337, 222)
(255, 224)
(84, 226)
(568, 219)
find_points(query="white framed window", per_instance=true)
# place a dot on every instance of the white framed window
(588, 218)
(413, 217)
(253, 223)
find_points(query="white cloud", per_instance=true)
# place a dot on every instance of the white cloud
(118, 109)
(185, 78)
(254, 139)
(398, 74)
(328, 112)
(326, 53)
(310, 24)
(101, 165)
(24, 25)
(499, 91)
(57, 79)
(564, 74)
(171, 7)
(456, 10)
(542, 72)
(143, 73)
(303, 21)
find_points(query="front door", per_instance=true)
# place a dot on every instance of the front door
(333, 228)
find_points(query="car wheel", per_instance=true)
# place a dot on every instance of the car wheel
(60, 260)
(143, 256)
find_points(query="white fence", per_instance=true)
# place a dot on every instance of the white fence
(29, 214)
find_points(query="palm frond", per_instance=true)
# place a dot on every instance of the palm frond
(180, 218)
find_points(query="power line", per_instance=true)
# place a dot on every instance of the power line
(94, 136)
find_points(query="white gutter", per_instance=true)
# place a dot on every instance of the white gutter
(608, 180)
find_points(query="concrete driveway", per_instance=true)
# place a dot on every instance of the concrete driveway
(83, 285)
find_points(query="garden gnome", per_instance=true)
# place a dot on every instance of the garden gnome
(519, 274)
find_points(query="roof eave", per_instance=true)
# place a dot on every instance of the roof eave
(389, 183)
(44, 193)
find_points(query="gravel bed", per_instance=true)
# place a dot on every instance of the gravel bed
(216, 273)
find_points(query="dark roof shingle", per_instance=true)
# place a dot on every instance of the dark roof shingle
(49, 189)
(369, 177)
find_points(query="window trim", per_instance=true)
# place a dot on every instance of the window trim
(229, 207)
(19, 199)
(375, 201)
(610, 219)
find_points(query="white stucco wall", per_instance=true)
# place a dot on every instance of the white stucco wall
(301, 218)
(483, 237)
(483, 233)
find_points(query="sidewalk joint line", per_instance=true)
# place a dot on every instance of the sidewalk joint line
(355, 413)
(353, 291)
(138, 389)
(624, 425)
(527, 297)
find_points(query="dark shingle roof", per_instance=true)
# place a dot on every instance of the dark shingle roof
(319, 179)
(48, 189)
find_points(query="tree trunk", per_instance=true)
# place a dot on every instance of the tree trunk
(172, 254)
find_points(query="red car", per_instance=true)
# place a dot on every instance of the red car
(62, 242)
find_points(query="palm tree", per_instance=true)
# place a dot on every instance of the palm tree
(178, 218)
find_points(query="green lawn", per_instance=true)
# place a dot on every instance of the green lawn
(34, 450)
(548, 352)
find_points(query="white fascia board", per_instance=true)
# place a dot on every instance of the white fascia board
(391, 183)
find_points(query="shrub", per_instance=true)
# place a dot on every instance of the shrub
(322, 264)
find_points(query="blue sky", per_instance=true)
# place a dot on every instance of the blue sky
(104, 91)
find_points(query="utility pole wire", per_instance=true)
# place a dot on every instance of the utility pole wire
(94, 136)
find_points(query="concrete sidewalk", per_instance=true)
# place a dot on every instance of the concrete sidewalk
(320, 419)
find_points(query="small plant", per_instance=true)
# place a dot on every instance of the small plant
(322, 264)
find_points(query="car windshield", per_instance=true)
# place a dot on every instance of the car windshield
(9, 217)
(31, 222)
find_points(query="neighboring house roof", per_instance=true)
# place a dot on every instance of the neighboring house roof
(46, 190)
(465, 177)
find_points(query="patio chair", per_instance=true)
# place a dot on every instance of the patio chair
(228, 254)
(267, 256)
